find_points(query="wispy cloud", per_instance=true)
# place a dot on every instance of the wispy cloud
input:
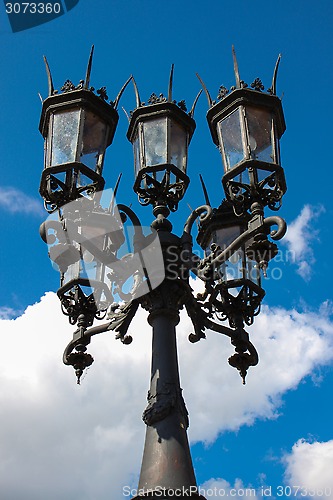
(301, 233)
(9, 313)
(15, 201)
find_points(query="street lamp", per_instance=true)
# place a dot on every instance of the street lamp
(85, 240)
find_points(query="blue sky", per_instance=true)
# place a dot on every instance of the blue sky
(87, 441)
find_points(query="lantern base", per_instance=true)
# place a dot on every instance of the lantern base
(168, 189)
(244, 182)
(64, 183)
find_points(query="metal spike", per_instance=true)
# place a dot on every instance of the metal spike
(196, 220)
(236, 70)
(137, 96)
(191, 113)
(204, 191)
(121, 92)
(209, 99)
(49, 77)
(273, 87)
(170, 83)
(114, 193)
(87, 78)
(40, 97)
(127, 116)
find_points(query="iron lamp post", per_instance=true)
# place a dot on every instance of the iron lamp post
(85, 240)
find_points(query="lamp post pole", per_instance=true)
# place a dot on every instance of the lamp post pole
(85, 239)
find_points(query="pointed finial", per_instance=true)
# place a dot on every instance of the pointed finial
(113, 198)
(204, 191)
(137, 96)
(127, 115)
(49, 77)
(209, 99)
(121, 92)
(170, 83)
(273, 87)
(236, 70)
(87, 78)
(191, 113)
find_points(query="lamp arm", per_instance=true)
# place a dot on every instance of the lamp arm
(225, 254)
(84, 339)
(225, 330)
(138, 237)
(278, 221)
(121, 317)
(236, 336)
(204, 212)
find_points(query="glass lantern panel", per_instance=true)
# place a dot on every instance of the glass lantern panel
(155, 142)
(136, 149)
(177, 146)
(231, 139)
(72, 273)
(260, 124)
(93, 141)
(252, 271)
(65, 132)
(232, 269)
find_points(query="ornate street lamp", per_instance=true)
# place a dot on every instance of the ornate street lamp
(85, 241)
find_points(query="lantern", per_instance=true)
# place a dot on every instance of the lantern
(82, 245)
(160, 133)
(238, 278)
(77, 126)
(247, 124)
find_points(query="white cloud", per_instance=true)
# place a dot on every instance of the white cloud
(15, 201)
(310, 466)
(86, 441)
(300, 234)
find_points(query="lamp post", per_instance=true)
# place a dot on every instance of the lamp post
(85, 239)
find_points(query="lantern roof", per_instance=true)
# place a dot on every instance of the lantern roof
(229, 99)
(81, 95)
(161, 105)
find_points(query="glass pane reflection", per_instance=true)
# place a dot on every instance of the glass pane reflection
(155, 141)
(231, 139)
(260, 134)
(65, 137)
(94, 136)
